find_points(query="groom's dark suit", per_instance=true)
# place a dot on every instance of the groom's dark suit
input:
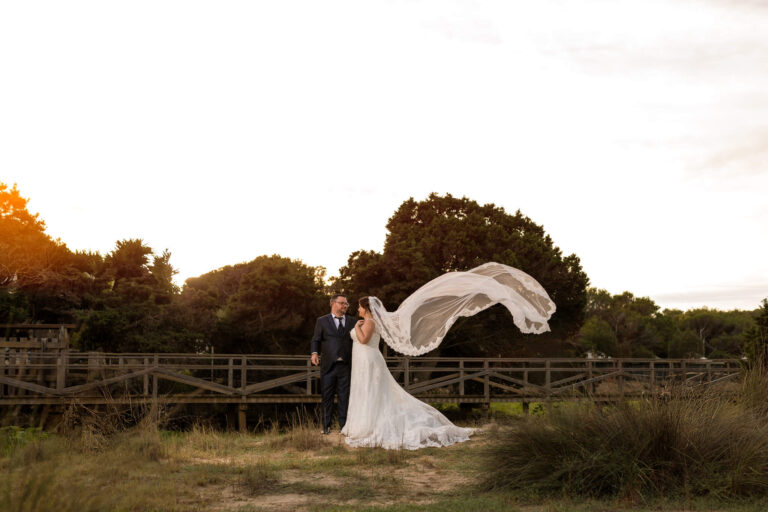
(335, 347)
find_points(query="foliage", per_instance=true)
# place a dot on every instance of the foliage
(623, 325)
(267, 305)
(441, 234)
(127, 300)
(756, 338)
(13, 437)
(132, 307)
(32, 264)
(687, 445)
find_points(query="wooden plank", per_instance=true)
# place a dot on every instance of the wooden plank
(194, 381)
(96, 384)
(37, 326)
(519, 391)
(519, 382)
(274, 383)
(27, 344)
(568, 380)
(454, 378)
(593, 379)
(437, 382)
(20, 384)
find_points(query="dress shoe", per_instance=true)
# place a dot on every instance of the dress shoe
(326, 431)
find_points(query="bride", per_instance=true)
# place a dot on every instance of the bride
(381, 413)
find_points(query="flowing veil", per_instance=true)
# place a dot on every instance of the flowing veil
(423, 319)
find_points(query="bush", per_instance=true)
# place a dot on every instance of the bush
(691, 444)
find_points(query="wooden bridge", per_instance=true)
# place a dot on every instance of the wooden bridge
(94, 378)
(44, 371)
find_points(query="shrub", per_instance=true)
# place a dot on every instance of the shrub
(691, 444)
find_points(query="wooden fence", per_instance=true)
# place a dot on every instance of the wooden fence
(38, 368)
(28, 377)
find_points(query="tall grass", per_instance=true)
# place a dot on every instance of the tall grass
(693, 443)
(302, 434)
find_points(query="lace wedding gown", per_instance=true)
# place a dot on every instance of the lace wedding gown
(381, 413)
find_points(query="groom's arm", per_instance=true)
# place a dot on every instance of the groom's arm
(315, 344)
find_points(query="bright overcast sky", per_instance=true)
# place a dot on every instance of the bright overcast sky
(635, 132)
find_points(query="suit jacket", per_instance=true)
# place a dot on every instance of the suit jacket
(328, 342)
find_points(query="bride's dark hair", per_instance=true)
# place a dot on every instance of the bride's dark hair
(365, 303)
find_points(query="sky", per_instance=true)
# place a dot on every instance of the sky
(634, 132)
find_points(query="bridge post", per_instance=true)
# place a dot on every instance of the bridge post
(146, 377)
(548, 384)
(60, 372)
(242, 375)
(486, 385)
(309, 376)
(155, 408)
(461, 375)
(241, 418)
(93, 365)
(621, 378)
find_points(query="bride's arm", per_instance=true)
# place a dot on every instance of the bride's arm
(364, 330)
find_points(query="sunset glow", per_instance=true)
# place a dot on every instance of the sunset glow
(634, 132)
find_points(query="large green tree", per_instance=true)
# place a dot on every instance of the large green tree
(444, 233)
(134, 305)
(620, 325)
(267, 305)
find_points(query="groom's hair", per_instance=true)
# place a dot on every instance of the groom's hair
(337, 295)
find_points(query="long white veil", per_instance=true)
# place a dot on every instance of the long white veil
(423, 319)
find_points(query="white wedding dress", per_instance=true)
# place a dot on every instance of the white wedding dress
(381, 413)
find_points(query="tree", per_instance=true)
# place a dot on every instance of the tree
(720, 333)
(756, 338)
(39, 276)
(631, 321)
(133, 306)
(24, 245)
(427, 238)
(267, 305)
(598, 336)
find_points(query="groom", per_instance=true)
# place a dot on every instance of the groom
(332, 340)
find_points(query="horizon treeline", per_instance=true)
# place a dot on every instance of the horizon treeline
(126, 300)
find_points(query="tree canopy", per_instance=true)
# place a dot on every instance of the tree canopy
(127, 301)
(624, 325)
(267, 305)
(443, 233)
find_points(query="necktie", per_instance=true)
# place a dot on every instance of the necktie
(340, 327)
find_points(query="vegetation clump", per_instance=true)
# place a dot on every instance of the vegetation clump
(690, 443)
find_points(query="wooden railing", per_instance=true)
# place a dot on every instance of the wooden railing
(35, 336)
(29, 377)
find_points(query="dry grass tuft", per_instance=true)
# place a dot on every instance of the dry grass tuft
(693, 443)
(302, 435)
(259, 478)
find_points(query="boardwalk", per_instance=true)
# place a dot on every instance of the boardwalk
(28, 377)
(41, 369)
